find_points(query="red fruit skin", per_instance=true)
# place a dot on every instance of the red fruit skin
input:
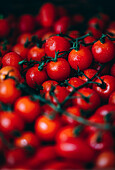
(74, 149)
(4, 28)
(59, 70)
(47, 85)
(11, 59)
(81, 58)
(23, 38)
(47, 14)
(93, 21)
(103, 52)
(97, 33)
(56, 43)
(20, 50)
(112, 98)
(113, 70)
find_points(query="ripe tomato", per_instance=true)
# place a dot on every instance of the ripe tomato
(11, 71)
(56, 43)
(105, 92)
(47, 14)
(35, 77)
(8, 91)
(36, 53)
(46, 128)
(58, 70)
(103, 52)
(89, 39)
(112, 98)
(4, 28)
(47, 36)
(94, 21)
(20, 50)
(10, 121)
(81, 58)
(73, 34)
(41, 32)
(113, 70)
(11, 59)
(26, 108)
(47, 85)
(87, 99)
(23, 38)
(94, 31)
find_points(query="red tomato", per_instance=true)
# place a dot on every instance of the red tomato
(46, 128)
(4, 28)
(81, 58)
(27, 139)
(48, 111)
(58, 70)
(10, 122)
(89, 39)
(94, 21)
(112, 98)
(62, 25)
(26, 23)
(20, 50)
(47, 85)
(74, 81)
(27, 108)
(105, 92)
(47, 36)
(41, 32)
(73, 34)
(103, 52)
(56, 43)
(23, 38)
(113, 70)
(96, 32)
(8, 91)
(35, 77)
(74, 149)
(47, 14)
(105, 70)
(11, 59)
(88, 105)
(36, 53)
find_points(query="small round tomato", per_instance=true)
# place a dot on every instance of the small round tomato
(94, 21)
(103, 52)
(88, 40)
(46, 128)
(36, 53)
(94, 31)
(73, 34)
(4, 28)
(48, 111)
(11, 59)
(47, 85)
(47, 14)
(62, 25)
(100, 142)
(87, 99)
(23, 38)
(105, 70)
(10, 71)
(10, 122)
(105, 160)
(8, 91)
(58, 70)
(56, 43)
(27, 139)
(26, 23)
(41, 32)
(20, 50)
(47, 36)
(27, 108)
(35, 77)
(113, 70)
(75, 82)
(112, 98)
(109, 86)
(81, 58)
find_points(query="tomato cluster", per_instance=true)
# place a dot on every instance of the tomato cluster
(57, 91)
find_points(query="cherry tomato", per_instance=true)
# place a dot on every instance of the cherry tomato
(103, 52)
(112, 98)
(46, 128)
(47, 14)
(56, 43)
(23, 38)
(94, 31)
(81, 58)
(58, 70)
(4, 28)
(20, 50)
(27, 108)
(105, 92)
(47, 85)
(8, 91)
(11, 59)
(113, 70)
(94, 21)
(41, 32)
(47, 36)
(73, 34)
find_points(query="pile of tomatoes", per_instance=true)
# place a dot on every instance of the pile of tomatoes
(57, 91)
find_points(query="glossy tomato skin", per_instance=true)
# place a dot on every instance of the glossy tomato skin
(47, 85)
(59, 70)
(27, 139)
(112, 98)
(81, 58)
(113, 70)
(10, 121)
(35, 77)
(23, 38)
(74, 149)
(92, 104)
(105, 92)
(8, 91)
(26, 23)
(47, 14)
(46, 128)
(11, 71)
(56, 43)
(103, 52)
(11, 59)
(20, 50)
(94, 21)
(36, 53)
(4, 28)
(27, 108)
(75, 82)
(97, 33)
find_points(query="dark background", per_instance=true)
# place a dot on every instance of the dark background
(87, 7)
